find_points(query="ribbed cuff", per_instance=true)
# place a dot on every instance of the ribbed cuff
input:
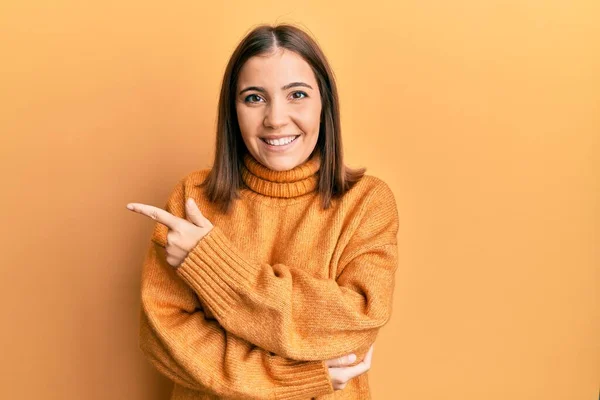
(217, 272)
(301, 380)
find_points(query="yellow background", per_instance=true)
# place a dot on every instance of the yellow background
(483, 117)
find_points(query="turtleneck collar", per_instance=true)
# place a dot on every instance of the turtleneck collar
(295, 182)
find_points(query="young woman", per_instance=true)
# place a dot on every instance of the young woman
(266, 271)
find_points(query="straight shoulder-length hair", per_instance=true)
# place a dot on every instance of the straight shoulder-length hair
(224, 180)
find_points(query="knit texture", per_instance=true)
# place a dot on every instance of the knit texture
(291, 183)
(277, 287)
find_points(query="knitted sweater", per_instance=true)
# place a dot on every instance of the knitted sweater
(275, 288)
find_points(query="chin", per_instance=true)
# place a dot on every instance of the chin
(281, 166)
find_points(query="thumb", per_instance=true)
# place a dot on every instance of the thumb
(193, 213)
(341, 361)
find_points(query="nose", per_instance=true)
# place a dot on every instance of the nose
(276, 115)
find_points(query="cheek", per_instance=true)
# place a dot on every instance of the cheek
(246, 120)
(309, 119)
(247, 130)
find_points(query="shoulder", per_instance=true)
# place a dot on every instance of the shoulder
(371, 191)
(184, 187)
(194, 178)
(188, 184)
(373, 219)
(376, 201)
(371, 199)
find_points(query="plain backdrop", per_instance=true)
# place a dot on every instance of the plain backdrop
(482, 116)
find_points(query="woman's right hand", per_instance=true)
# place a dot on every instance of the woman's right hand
(340, 373)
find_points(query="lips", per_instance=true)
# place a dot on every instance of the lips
(278, 137)
(281, 147)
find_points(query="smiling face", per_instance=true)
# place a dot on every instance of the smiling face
(278, 97)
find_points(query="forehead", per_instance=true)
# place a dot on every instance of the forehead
(275, 70)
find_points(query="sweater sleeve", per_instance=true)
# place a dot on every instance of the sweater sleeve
(287, 311)
(196, 352)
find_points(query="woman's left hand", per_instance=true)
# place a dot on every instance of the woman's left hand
(183, 235)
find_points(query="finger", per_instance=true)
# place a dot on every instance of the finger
(174, 249)
(193, 213)
(336, 362)
(341, 361)
(355, 370)
(367, 360)
(361, 367)
(369, 355)
(157, 214)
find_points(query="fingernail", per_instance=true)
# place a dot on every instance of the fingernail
(352, 357)
(129, 206)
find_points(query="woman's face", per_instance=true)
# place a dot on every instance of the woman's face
(278, 97)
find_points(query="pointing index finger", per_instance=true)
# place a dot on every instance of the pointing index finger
(157, 214)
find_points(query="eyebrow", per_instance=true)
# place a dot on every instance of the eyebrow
(289, 85)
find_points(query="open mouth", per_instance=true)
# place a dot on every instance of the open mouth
(281, 143)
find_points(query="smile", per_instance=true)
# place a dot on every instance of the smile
(280, 142)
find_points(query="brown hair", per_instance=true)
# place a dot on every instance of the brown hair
(223, 181)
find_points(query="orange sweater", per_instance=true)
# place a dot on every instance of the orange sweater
(275, 288)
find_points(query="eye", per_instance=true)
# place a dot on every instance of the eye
(299, 92)
(250, 98)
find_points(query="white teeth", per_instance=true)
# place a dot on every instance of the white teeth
(280, 142)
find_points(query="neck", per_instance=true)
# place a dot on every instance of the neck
(297, 181)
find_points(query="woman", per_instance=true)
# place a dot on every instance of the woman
(266, 271)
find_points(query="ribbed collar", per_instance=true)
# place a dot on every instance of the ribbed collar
(295, 182)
